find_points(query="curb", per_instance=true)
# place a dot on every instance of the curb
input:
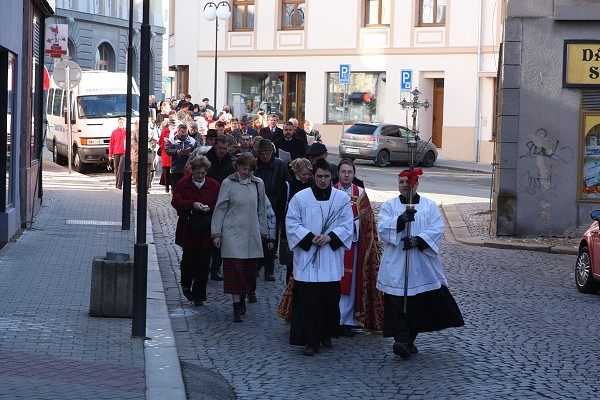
(461, 234)
(164, 379)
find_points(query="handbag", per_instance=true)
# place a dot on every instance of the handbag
(286, 256)
(159, 152)
(197, 222)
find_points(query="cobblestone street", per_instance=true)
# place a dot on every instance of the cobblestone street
(528, 334)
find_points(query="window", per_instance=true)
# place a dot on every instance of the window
(57, 102)
(7, 119)
(243, 15)
(105, 58)
(256, 91)
(365, 99)
(293, 14)
(378, 12)
(432, 12)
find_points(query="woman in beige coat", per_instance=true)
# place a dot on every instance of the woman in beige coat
(238, 224)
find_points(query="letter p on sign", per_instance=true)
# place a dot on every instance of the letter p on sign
(344, 74)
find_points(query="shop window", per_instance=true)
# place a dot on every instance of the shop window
(292, 14)
(7, 129)
(432, 12)
(365, 98)
(591, 156)
(378, 12)
(243, 15)
(249, 92)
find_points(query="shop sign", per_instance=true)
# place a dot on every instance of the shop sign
(581, 63)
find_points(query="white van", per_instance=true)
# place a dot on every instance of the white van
(97, 103)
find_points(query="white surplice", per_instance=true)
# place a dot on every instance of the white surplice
(305, 214)
(425, 270)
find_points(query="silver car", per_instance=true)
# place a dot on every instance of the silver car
(384, 143)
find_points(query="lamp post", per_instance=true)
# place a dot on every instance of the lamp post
(215, 12)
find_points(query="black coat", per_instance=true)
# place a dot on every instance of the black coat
(294, 146)
(273, 173)
(219, 168)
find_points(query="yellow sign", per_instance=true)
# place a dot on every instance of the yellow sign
(582, 63)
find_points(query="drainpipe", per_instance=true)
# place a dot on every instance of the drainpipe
(478, 84)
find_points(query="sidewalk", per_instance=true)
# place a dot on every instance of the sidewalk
(50, 348)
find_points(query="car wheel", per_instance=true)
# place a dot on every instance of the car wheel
(584, 279)
(56, 157)
(428, 159)
(382, 158)
(79, 166)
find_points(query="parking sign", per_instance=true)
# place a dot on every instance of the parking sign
(344, 74)
(406, 79)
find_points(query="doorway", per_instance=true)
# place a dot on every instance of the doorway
(295, 89)
(438, 112)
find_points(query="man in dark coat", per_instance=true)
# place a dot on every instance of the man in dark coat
(221, 166)
(299, 132)
(274, 173)
(290, 143)
(272, 131)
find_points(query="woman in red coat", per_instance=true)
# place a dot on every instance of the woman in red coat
(165, 159)
(195, 192)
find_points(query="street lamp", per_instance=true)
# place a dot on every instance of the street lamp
(215, 12)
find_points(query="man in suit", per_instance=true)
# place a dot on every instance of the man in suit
(244, 129)
(290, 143)
(271, 131)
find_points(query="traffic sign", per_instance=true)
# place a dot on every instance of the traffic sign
(406, 79)
(60, 74)
(344, 74)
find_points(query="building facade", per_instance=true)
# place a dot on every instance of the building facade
(548, 176)
(284, 56)
(21, 104)
(99, 36)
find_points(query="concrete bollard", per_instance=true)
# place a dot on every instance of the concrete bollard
(111, 292)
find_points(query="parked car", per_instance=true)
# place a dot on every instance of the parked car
(384, 143)
(587, 267)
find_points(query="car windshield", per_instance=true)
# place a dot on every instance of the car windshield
(106, 105)
(361, 129)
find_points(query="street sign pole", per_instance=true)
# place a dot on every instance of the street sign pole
(344, 76)
(70, 134)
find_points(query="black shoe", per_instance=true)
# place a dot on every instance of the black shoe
(167, 189)
(237, 315)
(188, 294)
(401, 349)
(309, 351)
(252, 298)
(243, 306)
(326, 343)
(346, 331)
(269, 277)
(198, 302)
(413, 349)
(216, 276)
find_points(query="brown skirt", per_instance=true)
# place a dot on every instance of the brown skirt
(238, 275)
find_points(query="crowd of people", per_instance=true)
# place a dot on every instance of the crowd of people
(248, 193)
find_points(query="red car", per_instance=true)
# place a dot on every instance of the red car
(587, 267)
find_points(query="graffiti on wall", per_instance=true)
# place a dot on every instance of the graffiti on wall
(533, 182)
(542, 146)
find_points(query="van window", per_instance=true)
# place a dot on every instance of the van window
(49, 101)
(106, 105)
(57, 105)
(359, 129)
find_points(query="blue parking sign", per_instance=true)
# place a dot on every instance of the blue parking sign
(344, 74)
(406, 79)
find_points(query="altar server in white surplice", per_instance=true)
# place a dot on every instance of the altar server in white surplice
(319, 228)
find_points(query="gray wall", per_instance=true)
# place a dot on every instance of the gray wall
(87, 32)
(537, 187)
